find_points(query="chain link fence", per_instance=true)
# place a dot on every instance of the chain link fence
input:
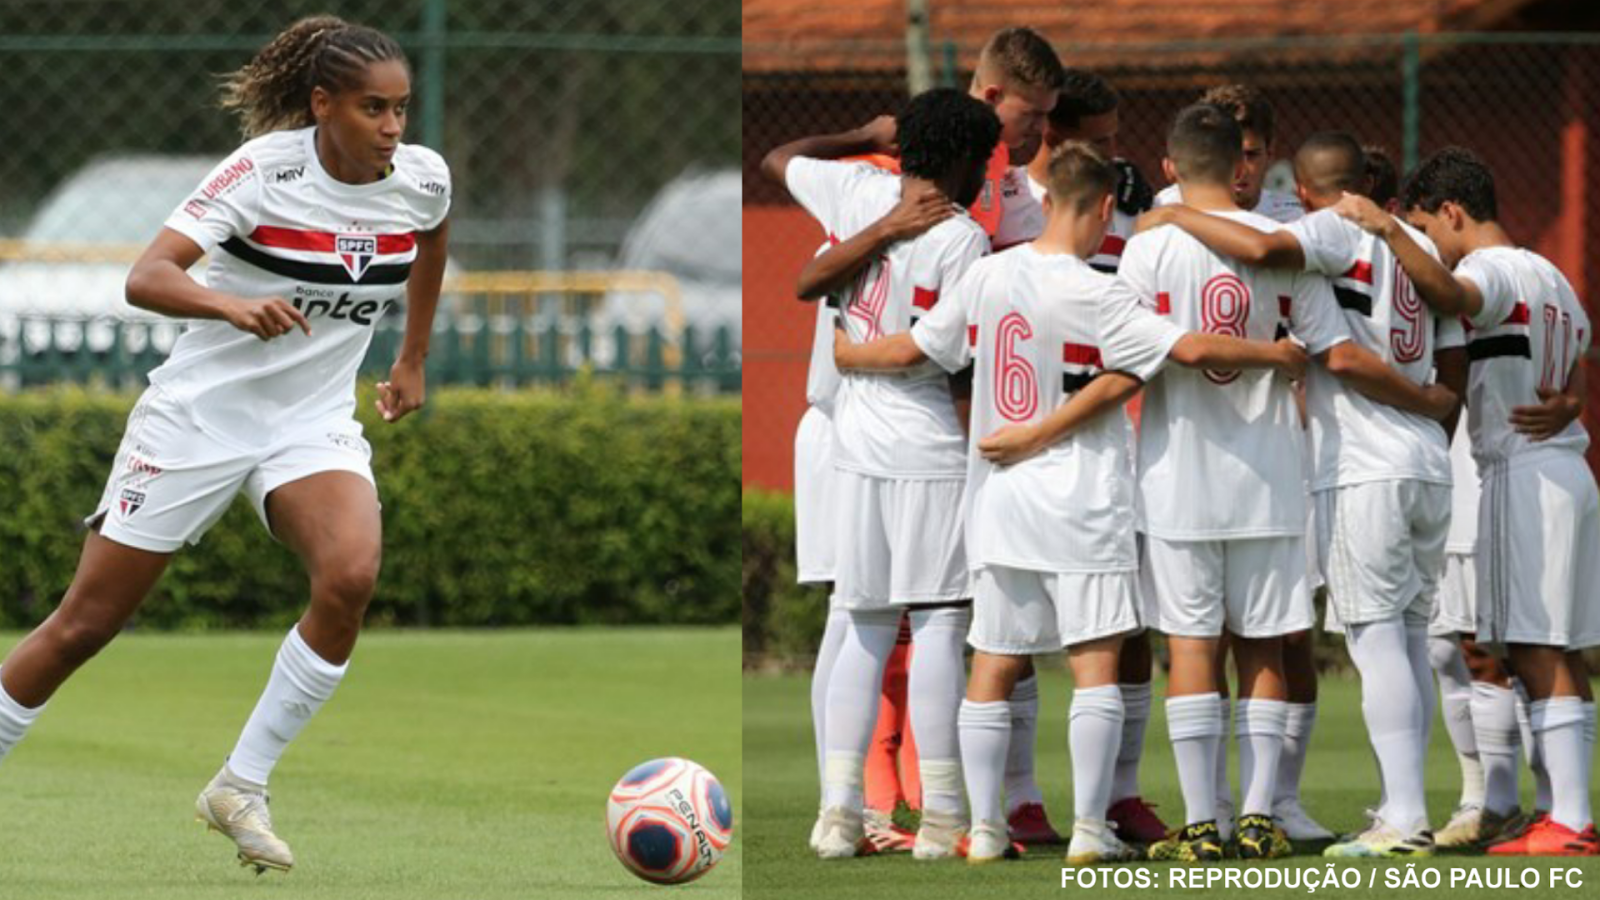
(1523, 102)
(592, 137)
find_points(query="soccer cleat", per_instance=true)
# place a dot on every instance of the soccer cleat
(238, 809)
(1297, 824)
(1261, 838)
(1463, 829)
(1136, 821)
(1029, 825)
(940, 835)
(886, 837)
(843, 834)
(1199, 842)
(1385, 842)
(1547, 837)
(1096, 842)
(987, 842)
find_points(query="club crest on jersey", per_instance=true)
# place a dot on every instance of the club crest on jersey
(131, 501)
(356, 252)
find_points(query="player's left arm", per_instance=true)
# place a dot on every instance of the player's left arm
(877, 136)
(1555, 409)
(1015, 443)
(897, 351)
(1364, 371)
(920, 208)
(1438, 287)
(406, 388)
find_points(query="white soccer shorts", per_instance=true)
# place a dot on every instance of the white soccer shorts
(1538, 553)
(1257, 587)
(815, 513)
(171, 481)
(1019, 612)
(898, 542)
(1456, 609)
(1382, 548)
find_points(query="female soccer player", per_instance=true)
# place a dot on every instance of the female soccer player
(314, 228)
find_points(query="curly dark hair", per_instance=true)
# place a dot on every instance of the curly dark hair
(943, 129)
(1381, 170)
(272, 92)
(1455, 175)
(1247, 105)
(1083, 93)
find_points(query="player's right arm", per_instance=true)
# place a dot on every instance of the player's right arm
(1015, 443)
(896, 351)
(1253, 247)
(921, 206)
(1448, 294)
(876, 136)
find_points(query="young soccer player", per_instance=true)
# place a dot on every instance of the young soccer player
(258, 394)
(1051, 537)
(1539, 517)
(1381, 481)
(900, 464)
(1221, 485)
(1257, 121)
(1087, 110)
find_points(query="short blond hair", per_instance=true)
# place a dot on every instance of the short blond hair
(1079, 176)
(1022, 56)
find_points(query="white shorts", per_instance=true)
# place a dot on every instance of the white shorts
(1538, 554)
(1019, 612)
(1256, 587)
(1455, 609)
(898, 542)
(815, 513)
(171, 481)
(1382, 548)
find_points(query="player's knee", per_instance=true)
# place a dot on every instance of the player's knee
(349, 581)
(1443, 653)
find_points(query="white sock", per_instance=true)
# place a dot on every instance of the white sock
(832, 637)
(1094, 733)
(1455, 699)
(1530, 747)
(300, 683)
(985, 734)
(1223, 788)
(1558, 729)
(937, 680)
(852, 708)
(1494, 724)
(14, 721)
(1135, 716)
(1393, 714)
(1193, 724)
(1021, 785)
(1297, 725)
(1589, 727)
(1422, 674)
(1260, 725)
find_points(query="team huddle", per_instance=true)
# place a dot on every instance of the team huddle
(1362, 386)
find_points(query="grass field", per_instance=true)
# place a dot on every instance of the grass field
(449, 765)
(782, 796)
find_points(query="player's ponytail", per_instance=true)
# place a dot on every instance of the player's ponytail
(272, 92)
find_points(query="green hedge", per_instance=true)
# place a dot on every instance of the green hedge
(552, 507)
(782, 620)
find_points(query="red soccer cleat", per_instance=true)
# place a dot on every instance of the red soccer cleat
(1136, 821)
(1546, 837)
(1029, 825)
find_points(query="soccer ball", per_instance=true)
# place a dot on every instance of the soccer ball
(669, 820)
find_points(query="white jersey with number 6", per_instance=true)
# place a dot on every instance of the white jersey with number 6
(1219, 452)
(898, 425)
(1030, 324)
(1356, 439)
(1528, 336)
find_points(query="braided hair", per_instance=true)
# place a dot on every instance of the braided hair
(272, 92)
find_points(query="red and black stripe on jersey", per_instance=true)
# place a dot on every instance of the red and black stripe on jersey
(258, 252)
(1353, 289)
(1509, 338)
(1080, 364)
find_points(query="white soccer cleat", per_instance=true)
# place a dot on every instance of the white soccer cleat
(1094, 842)
(1383, 841)
(989, 842)
(1463, 829)
(842, 834)
(238, 809)
(939, 836)
(816, 833)
(1299, 825)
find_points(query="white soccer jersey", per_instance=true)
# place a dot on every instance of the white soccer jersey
(822, 377)
(1529, 334)
(276, 225)
(1219, 452)
(1021, 212)
(1278, 206)
(1356, 439)
(1117, 233)
(1032, 323)
(899, 425)
(1464, 493)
